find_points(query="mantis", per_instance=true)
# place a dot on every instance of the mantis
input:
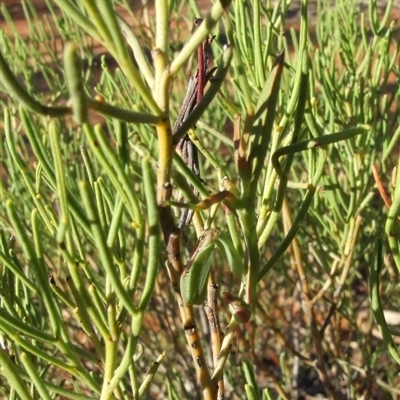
(194, 94)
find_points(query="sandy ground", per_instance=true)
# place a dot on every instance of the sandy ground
(15, 9)
(292, 19)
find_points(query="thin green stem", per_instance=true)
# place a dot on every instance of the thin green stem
(103, 250)
(376, 303)
(154, 232)
(36, 379)
(392, 222)
(16, 90)
(298, 220)
(9, 369)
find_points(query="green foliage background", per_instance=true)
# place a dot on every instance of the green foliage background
(87, 305)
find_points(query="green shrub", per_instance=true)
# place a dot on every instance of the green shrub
(100, 285)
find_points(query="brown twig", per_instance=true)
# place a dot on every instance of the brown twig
(175, 268)
(381, 189)
(216, 335)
